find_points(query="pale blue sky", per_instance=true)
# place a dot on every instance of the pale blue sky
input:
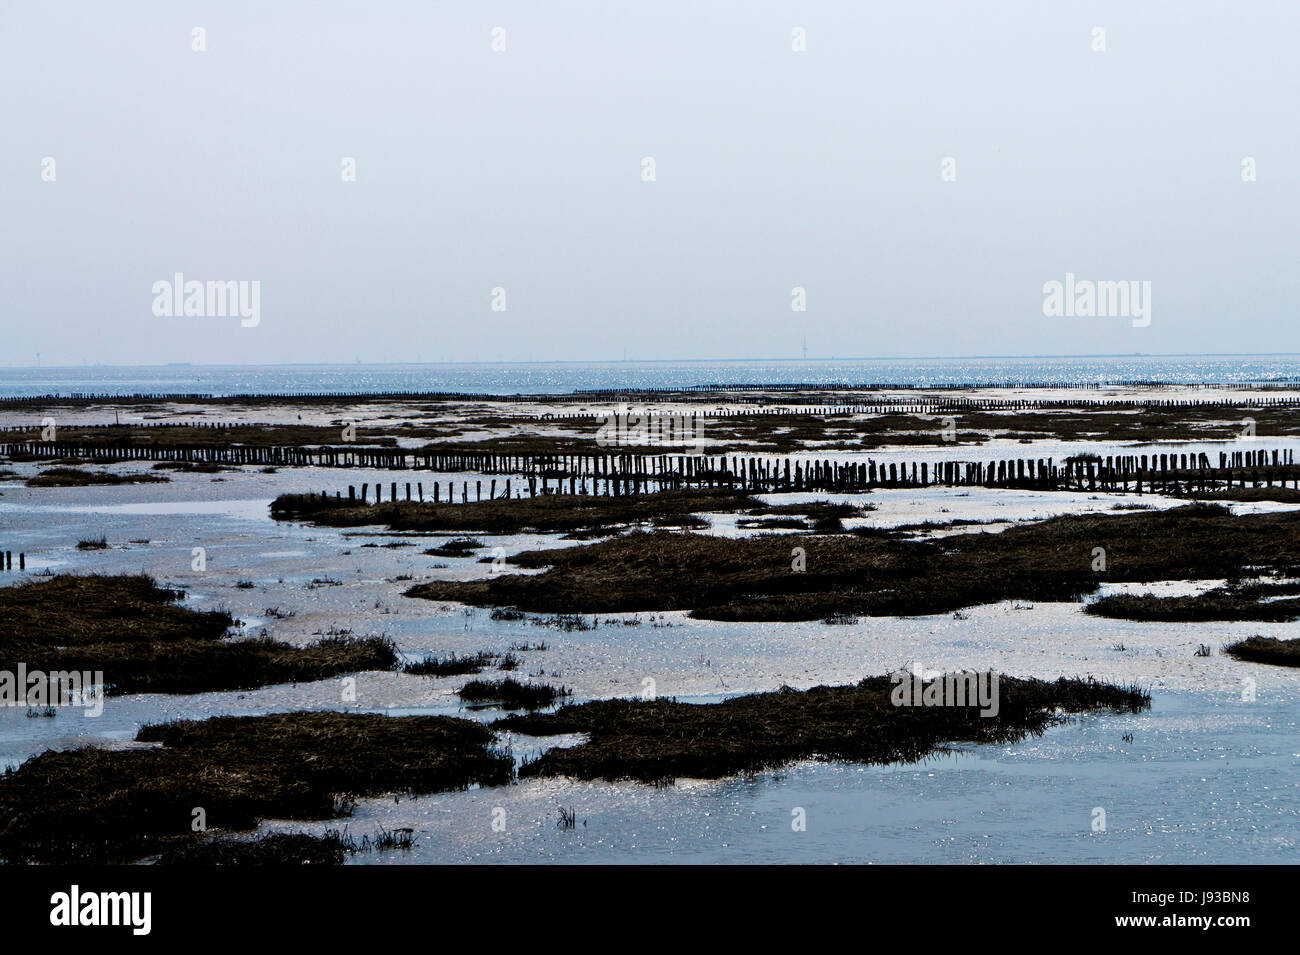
(522, 169)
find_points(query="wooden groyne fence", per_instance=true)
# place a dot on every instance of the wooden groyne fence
(619, 473)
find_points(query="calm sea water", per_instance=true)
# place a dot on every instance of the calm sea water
(560, 378)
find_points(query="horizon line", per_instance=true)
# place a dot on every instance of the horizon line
(666, 361)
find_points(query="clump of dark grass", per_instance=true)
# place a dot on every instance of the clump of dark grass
(546, 513)
(816, 510)
(196, 467)
(568, 622)
(840, 619)
(387, 839)
(774, 524)
(460, 547)
(661, 740)
(93, 543)
(1278, 493)
(78, 477)
(1257, 649)
(98, 806)
(452, 665)
(507, 614)
(512, 694)
(750, 578)
(280, 848)
(132, 630)
(1236, 601)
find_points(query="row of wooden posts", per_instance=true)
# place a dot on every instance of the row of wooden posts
(630, 473)
(1169, 474)
(7, 560)
(133, 425)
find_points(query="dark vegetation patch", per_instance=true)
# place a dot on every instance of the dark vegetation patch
(460, 547)
(1283, 653)
(79, 477)
(816, 510)
(96, 806)
(511, 694)
(545, 513)
(774, 523)
(752, 578)
(284, 848)
(132, 630)
(279, 848)
(1233, 602)
(452, 665)
(925, 527)
(568, 622)
(198, 467)
(657, 741)
(1284, 495)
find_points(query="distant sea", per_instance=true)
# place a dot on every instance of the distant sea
(565, 377)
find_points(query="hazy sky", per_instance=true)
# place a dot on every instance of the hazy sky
(522, 169)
